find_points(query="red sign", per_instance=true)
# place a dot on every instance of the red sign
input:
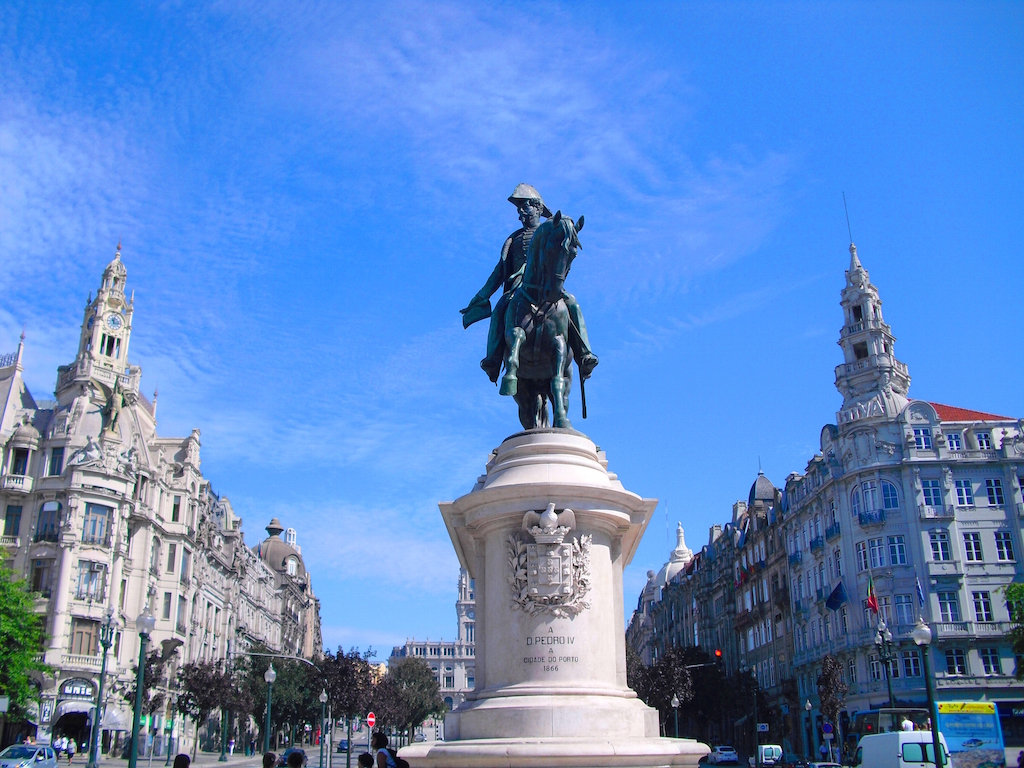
(371, 720)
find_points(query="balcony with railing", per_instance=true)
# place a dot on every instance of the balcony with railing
(795, 557)
(18, 483)
(943, 512)
(78, 661)
(832, 532)
(868, 519)
(10, 541)
(817, 544)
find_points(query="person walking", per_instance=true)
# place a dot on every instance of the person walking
(71, 748)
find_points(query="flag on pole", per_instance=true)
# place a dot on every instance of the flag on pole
(837, 598)
(920, 593)
(872, 597)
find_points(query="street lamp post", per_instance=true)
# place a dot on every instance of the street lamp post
(883, 639)
(270, 676)
(107, 630)
(757, 735)
(170, 734)
(809, 730)
(922, 635)
(144, 625)
(675, 711)
(323, 717)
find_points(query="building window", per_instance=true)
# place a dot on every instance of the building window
(911, 664)
(167, 605)
(293, 566)
(56, 461)
(97, 524)
(875, 668)
(92, 578)
(972, 546)
(470, 632)
(932, 493)
(877, 552)
(12, 521)
(964, 493)
(42, 576)
(990, 661)
(49, 522)
(982, 606)
(949, 606)
(870, 491)
(953, 440)
(844, 620)
(172, 556)
(904, 609)
(19, 462)
(860, 349)
(940, 545)
(862, 556)
(984, 441)
(922, 438)
(186, 562)
(890, 498)
(471, 678)
(956, 662)
(84, 636)
(1004, 546)
(855, 502)
(994, 487)
(897, 550)
(837, 557)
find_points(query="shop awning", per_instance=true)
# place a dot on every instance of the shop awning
(69, 706)
(115, 719)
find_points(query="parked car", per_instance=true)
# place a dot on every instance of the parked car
(28, 756)
(343, 745)
(282, 759)
(723, 754)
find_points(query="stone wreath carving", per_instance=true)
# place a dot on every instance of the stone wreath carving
(549, 575)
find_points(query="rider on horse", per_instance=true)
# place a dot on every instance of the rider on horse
(509, 274)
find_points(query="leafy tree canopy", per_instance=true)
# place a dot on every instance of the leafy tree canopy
(21, 639)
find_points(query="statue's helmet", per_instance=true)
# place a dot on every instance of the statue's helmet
(526, 192)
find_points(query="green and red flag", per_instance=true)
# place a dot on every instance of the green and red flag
(872, 597)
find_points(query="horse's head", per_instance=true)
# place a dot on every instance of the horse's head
(552, 250)
(567, 232)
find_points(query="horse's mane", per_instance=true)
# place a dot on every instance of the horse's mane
(564, 234)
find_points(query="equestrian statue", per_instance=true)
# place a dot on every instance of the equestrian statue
(536, 328)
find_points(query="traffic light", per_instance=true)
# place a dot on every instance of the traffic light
(718, 658)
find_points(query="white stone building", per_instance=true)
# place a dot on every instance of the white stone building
(103, 514)
(453, 662)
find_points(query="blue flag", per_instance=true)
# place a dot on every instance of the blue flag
(920, 593)
(837, 598)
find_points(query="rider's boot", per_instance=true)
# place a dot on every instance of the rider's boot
(578, 338)
(510, 381)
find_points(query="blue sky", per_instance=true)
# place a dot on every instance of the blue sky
(308, 192)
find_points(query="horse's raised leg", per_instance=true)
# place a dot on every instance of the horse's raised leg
(558, 386)
(510, 381)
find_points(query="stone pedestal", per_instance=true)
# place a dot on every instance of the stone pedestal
(546, 533)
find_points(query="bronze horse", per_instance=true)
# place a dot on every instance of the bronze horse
(538, 358)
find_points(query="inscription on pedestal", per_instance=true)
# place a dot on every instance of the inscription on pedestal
(550, 651)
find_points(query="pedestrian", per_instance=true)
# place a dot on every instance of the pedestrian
(907, 724)
(181, 761)
(231, 747)
(380, 748)
(58, 747)
(71, 748)
(296, 759)
(1020, 759)
(269, 760)
(366, 760)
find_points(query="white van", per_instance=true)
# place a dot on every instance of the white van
(771, 754)
(899, 749)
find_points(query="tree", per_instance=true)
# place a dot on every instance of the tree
(1015, 604)
(204, 687)
(409, 694)
(638, 674)
(349, 683)
(832, 688)
(21, 639)
(295, 691)
(670, 677)
(152, 677)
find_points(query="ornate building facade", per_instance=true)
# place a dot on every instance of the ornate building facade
(918, 499)
(453, 662)
(105, 517)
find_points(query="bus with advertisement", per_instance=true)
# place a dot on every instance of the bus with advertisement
(973, 734)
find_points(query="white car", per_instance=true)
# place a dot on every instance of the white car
(723, 754)
(28, 756)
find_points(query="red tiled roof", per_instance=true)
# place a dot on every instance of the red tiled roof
(952, 413)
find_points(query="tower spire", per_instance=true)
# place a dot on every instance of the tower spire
(871, 380)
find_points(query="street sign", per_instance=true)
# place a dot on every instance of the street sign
(827, 736)
(371, 720)
(762, 727)
(826, 727)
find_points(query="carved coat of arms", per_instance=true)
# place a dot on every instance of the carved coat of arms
(550, 575)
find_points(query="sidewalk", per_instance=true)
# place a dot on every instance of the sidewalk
(205, 759)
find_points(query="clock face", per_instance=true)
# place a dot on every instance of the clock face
(114, 321)
(471, 614)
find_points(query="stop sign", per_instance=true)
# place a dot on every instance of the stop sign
(371, 720)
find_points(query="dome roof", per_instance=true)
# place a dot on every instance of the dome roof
(276, 552)
(762, 490)
(116, 267)
(26, 433)
(677, 560)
